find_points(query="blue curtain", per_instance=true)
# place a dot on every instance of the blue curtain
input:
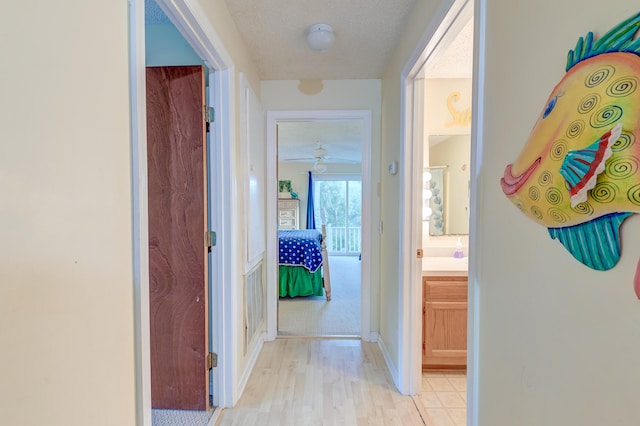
(311, 217)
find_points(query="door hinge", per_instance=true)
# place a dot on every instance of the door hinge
(419, 254)
(210, 239)
(212, 360)
(209, 114)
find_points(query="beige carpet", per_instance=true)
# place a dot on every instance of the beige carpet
(180, 417)
(313, 316)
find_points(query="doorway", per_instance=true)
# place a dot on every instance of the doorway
(330, 198)
(196, 31)
(448, 22)
(274, 120)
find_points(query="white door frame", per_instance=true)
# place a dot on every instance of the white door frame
(410, 271)
(191, 22)
(273, 117)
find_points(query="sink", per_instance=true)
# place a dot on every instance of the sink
(445, 264)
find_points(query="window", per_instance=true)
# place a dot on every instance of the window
(338, 205)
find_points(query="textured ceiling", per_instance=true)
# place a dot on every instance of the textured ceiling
(366, 32)
(456, 60)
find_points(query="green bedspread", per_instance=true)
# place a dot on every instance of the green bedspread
(298, 281)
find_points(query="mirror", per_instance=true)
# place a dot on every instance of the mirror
(446, 185)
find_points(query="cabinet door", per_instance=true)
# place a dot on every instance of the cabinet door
(445, 333)
(444, 327)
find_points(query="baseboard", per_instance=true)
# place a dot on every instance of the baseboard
(216, 417)
(393, 370)
(251, 363)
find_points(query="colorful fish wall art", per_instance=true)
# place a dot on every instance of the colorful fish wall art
(579, 173)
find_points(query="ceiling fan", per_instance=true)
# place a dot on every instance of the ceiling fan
(321, 155)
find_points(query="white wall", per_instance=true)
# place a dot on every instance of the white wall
(66, 271)
(445, 115)
(245, 74)
(341, 95)
(390, 313)
(559, 342)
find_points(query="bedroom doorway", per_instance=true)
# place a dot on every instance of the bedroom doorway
(319, 167)
(330, 159)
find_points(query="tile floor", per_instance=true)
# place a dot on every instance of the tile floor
(444, 398)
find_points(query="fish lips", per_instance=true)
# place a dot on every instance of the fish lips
(512, 184)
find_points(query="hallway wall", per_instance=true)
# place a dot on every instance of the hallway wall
(66, 269)
(389, 191)
(559, 342)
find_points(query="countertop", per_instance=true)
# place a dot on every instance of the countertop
(447, 266)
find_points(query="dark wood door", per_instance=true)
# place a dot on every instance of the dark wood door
(176, 154)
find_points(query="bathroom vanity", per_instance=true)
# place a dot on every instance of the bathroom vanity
(444, 313)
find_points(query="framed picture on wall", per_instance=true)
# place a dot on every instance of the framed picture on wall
(284, 186)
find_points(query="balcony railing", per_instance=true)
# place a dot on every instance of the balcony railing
(341, 239)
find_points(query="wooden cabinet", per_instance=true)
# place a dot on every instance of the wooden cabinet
(444, 322)
(288, 212)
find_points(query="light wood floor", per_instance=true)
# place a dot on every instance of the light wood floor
(299, 381)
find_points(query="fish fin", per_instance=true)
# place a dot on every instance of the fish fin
(619, 39)
(595, 243)
(581, 167)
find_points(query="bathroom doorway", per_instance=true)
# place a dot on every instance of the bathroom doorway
(424, 87)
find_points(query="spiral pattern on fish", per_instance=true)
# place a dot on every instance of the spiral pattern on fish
(634, 194)
(606, 116)
(575, 129)
(623, 87)
(534, 193)
(598, 76)
(545, 178)
(622, 167)
(604, 192)
(558, 150)
(557, 215)
(554, 196)
(536, 212)
(583, 208)
(588, 103)
(625, 140)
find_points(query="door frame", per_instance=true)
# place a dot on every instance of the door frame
(273, 117)
(191, 22)
(410, 271)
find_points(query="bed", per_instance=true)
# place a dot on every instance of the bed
(303, 267)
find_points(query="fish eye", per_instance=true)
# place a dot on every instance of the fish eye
(550, 106)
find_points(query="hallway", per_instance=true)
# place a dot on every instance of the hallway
(299, 381)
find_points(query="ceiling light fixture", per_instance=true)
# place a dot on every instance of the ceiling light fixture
(319, 166)
(320, 37)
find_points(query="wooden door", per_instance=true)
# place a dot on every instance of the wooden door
(176, 154)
